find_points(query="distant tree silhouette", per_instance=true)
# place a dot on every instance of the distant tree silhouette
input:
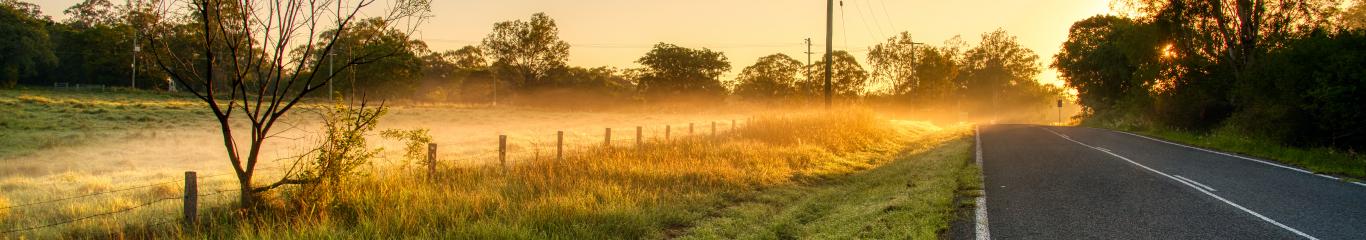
(26, 45)
(771, 77)
(524, 53)
(847, 79)
(671, 70)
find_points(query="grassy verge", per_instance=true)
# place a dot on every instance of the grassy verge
(659, 191)
(1319, 160)
(911, 197)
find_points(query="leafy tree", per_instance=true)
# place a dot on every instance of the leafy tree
(1309, 93)
(773, 76)
(936, 71)
(998, 64)
(671, 70)
(1236, 32)
(392, 69)
(25, 46)
(847, 78)
(895, 62)
(525, 52)
(468, 57)
(444, 72)
(1109, 59)
(93, 12)
(1355, 17)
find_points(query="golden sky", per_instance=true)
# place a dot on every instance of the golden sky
(617, 32)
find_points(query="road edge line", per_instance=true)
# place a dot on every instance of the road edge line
(1305, 171)
(1197, 188)
(983, 233)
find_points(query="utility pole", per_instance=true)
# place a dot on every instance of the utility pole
(808, 59)
(136, 48)
(829, 46)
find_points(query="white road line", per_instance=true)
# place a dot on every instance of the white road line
(1102, 149)
(1359, 183)
(1235, 156)
(1217, 152)
(982, 232)
(1197, 188)
(1196, 183)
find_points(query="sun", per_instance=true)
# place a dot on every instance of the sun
(1169, 51)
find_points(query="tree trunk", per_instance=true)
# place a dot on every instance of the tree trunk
(247, 199)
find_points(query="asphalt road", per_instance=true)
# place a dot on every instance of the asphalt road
(1081, 183)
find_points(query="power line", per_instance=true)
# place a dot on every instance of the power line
(889, 17)
(877, 23)
(866, 29)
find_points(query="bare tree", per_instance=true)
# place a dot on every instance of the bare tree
(236, 56)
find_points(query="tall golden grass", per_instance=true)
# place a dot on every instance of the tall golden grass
(654, 191)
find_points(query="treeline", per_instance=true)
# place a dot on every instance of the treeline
(1287, 70)
(524, 62)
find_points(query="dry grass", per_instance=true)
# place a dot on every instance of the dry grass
(656, 191)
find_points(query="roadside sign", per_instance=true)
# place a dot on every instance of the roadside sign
(1059, 103)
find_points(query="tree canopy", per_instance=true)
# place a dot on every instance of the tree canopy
(526, 52)
(847, 77)
(671, 70)
(26, 46)
(771, 77)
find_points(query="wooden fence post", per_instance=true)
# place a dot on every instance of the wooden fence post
(639, 141)
(559, 146)
(192, 200)
(713, 128)
(607, 138)
(503, 151)
(431, 161)
(690, 128)
(666, 132)
(732, 125)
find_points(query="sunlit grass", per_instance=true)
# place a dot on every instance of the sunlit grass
(657, 191)
(911, 197)
(660, 190)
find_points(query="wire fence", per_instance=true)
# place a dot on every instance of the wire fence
(507, 151)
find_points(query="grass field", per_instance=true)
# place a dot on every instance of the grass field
(665, 189)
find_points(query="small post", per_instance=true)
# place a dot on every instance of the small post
(638, 139)
(667, 128)
(690, 129)
(559, 146)
(732, 125)
(607, 138)
(191, 200)
(431, 161)
(713, 128)
(503, 151)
